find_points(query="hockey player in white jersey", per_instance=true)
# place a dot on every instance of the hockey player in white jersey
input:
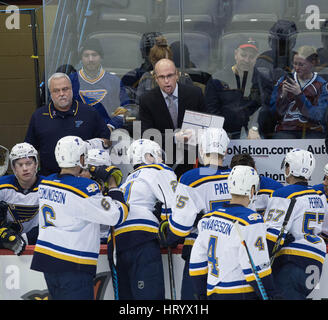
(19, 199)
(294, 218)
(96, 158)
(220, 265)
(71, 210)
(266, 187)
(139, 262)
(199, 190)
(323, 187)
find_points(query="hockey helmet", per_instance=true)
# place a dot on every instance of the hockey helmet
(22, 150)
(324, 34)
(98, 157)
(283, 30)
(301, 163)
(139, 148)
(68, 151)
(325, 170)
(147, 42)
(213, 140)
(241, 180)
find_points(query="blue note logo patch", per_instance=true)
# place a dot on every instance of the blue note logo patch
(78, 123)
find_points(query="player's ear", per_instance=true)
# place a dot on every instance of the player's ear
(253, 191)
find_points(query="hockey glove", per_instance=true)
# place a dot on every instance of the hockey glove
(289, 239)
(11, 240)
(3, 212)
(162, 233)
(116, 122)
(157, 211)
(103, 173)
(198, 217)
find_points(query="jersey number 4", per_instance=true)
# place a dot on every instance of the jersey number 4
(211, 256)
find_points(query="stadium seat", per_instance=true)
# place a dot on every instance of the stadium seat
(199, 45)
(121, 51)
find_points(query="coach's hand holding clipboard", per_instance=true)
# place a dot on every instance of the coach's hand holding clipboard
(194, 122)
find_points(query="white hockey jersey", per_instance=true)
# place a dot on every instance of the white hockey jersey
(142, 189)
(71, 211)
(266, 189)
(23, 204)
(305, 224)
(204, 188)
(219, 257)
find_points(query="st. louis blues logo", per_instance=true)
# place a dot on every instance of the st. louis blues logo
(92, 97)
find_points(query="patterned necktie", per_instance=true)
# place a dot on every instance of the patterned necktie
(173, 110)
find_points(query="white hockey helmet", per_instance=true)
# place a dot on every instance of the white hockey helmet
(213, 140)
(301, 163)
(325, 170)
(139, 148)
(22, 150)
(98, 157)
(241, 180)
(69, 150)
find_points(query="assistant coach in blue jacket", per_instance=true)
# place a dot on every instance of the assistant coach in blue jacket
(63, 116)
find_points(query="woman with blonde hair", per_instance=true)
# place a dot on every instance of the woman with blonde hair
(300, 99)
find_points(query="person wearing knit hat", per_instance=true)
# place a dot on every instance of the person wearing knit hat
(92, 44)
(94, 86)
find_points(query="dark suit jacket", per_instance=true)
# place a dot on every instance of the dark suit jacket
(153, 111)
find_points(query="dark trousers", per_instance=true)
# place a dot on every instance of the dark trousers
(75, 285)
(140, 273)
(187, 289)
(291, 281)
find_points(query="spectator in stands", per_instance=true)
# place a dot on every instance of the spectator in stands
(161, 50)
(228, 92)
(269, 67)
(61, 117)
(300, 99)
(131, 80)
(322, 68)
(197, 76)
(96, 87)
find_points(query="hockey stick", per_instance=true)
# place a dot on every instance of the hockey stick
(112, 261)
(169, 256)
(278, 245)
(113, 265)
(253, 266)
(4, 160)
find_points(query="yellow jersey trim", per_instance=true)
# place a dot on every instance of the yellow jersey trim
(65, 186)
(65, 257)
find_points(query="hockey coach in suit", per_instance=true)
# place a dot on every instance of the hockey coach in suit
(164, 107)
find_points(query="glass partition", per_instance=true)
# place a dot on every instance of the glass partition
(239, 52)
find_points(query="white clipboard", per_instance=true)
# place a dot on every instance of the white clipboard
(197, 121)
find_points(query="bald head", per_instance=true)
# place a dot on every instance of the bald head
(166, 75)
